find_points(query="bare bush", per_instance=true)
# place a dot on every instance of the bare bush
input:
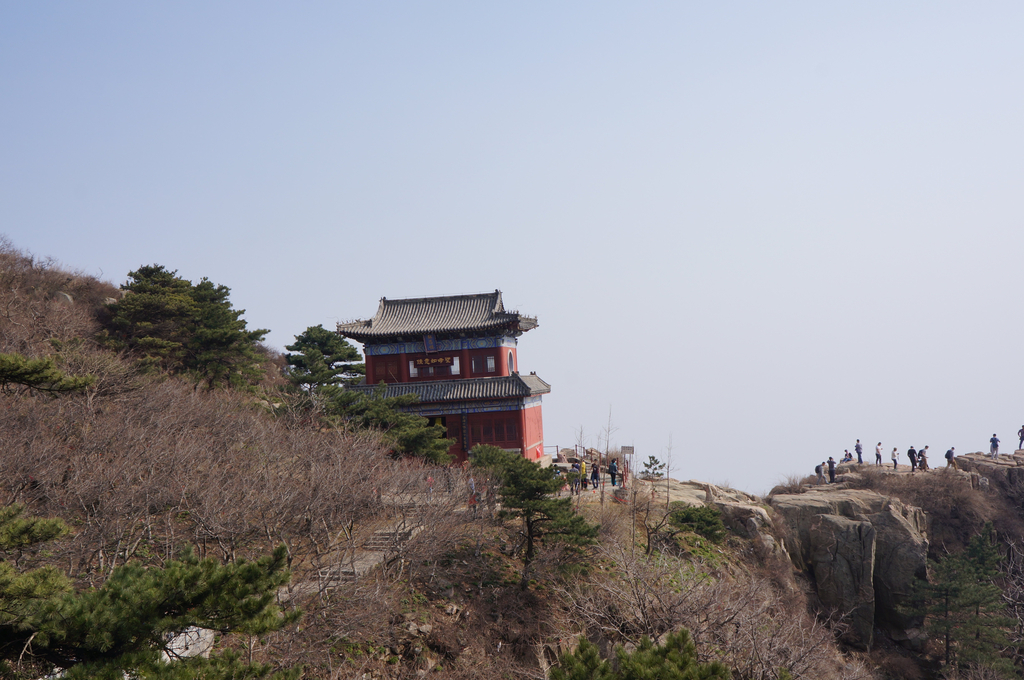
(171, 465)
(41, 301)
(793, 484)
(741, 620)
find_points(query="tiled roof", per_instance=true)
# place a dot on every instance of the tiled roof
(502, 387)
(438, 315)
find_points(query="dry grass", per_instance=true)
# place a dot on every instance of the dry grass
(792, 484)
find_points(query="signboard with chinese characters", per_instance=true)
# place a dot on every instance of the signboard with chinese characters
(429, 343)
(432, 361)
(625, 451)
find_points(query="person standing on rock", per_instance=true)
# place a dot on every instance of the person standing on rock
(820, 471)
(912, 455)
(860, 452)
(1020, 433)
(831, 470)
(993, 446)
(878, 454)
(951, 459)
(922, 459)
(895, 459)
(613, 469)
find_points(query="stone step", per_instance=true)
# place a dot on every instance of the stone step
(333, 576)
(384, 539)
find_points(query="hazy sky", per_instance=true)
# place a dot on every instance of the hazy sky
(760, 230)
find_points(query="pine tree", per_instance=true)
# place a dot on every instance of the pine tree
(322, 358)
(221, 350)
(525, 490)
(703, 521)
(121, 627)
(185, 327)
(38, 374)
(583, 664)
(963, 607)
(653, 468)
(409, 434)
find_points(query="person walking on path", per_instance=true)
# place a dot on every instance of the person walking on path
(820, 471)
(583, 474)
(613, 469)
(912, 455)
(860, 452)
(878, 454)
(595, 476)
(831, 470)
(951, 459)
(993, 446)
(895, 459)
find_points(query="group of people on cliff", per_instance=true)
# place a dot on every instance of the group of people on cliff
(578, 475)
(918, 458)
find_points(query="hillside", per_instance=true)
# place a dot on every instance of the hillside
(398, 573)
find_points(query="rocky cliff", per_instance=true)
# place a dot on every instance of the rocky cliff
(863, 551)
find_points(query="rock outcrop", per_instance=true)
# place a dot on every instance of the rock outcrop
(742, 512)
(865, 551)
(1006, 471)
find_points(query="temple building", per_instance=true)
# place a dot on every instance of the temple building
(459, 354)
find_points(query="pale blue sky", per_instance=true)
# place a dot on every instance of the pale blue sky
(763, 229)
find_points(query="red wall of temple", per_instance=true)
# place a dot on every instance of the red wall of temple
(534, 431)
(522, 430)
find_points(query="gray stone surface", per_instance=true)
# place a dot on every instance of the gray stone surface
(842, 555)
(832, 531)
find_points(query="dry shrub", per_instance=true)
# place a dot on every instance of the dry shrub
(33, 309)
(898, 663)
(792, 484)
(168, 465)
(973, 672)
(742, 620)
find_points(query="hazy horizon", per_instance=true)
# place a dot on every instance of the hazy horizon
(761, 231)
